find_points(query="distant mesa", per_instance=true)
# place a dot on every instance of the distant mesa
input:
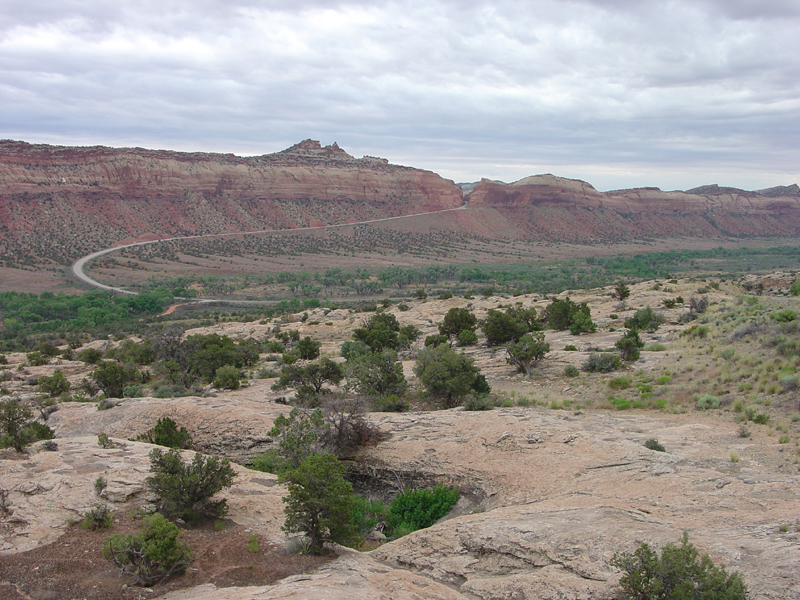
(59, 202)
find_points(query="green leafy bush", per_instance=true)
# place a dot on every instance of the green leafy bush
(166, 433)
(645, 319)
(676, 575)
(418, 509)
(707, 401)
(784, 316)
(227, 378)
(320, 503)
(602, 362)
(571, 371)
(151, 556)
(186, 489)
(620, 383)
(570, 348)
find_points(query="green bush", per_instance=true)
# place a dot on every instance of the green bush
(621, 403)
(784, 316)
(166, 433)
(654, 444)
(227, 378)
(629, 345)
(270, 461)
(645, 319)
(602, 362)
(186, 489)
(320, 503)
(153, 555)
(676, 575)
(570, 348)
(99, 517)
(620, 383)
(467, 337)
(664, 380)
(475, 403)
(418, 509)
(570, 371)
(391, 403)
(707, 401)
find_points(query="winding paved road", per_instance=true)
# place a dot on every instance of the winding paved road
(77, 267)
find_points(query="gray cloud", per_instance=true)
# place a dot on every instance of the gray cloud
(617, 92)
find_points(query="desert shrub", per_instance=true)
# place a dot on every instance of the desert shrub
(529, 350)
(55, 385)
(166, 433)
(418, 509)
(570, 348)
(795, 287)
(308, 348)
(664, 380)
(186, 489)
(18, 429)
(676, 575)
(368, 513)
(789, 382)
(391, 403)
(99, 517)
(761, 418)
(270, 461)
(475, 403)
(132, 391)
(436, 339)
(620, 383)
(565, 314)
(570, 371)
(320, 502)
(91, 356)
(456, 321)
(151, 556)
(655, 347)
(602, 362)
(784, 316)
(105, 442)
(309, 380)
(227, 378)
(49, 446)
(698, 305)
(707, 401)
(445, 373)
(621, 403)
(375, 374)
(645, 319)
(629, 345)
(480, 386)
(501, 327)
(467, 337)
(100, 484)
(37, 359)
(696, 332)
(654, 444)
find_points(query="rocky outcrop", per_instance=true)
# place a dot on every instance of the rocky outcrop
(77, 199)
(50, 489)
(559, 209)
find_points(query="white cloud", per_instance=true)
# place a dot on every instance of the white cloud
(464, 88)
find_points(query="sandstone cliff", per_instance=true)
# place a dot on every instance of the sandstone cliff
(62, 202)
(559, 209)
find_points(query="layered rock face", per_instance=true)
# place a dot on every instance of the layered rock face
(559, 209)
(63, 201)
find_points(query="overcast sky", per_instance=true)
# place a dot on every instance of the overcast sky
(620, 93)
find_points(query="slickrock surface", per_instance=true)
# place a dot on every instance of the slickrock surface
(50, 488)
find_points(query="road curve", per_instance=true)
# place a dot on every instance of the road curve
(78, 265)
